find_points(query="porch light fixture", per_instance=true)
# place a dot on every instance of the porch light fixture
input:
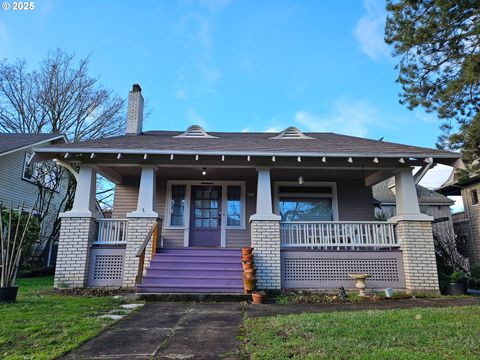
(119, 156)
(350, 160)
(299, 158)
(171, 157)
(204, 171)
(145, 156)
(223, 157)
(401, 160)
(300, 180)
(324, 159)
(196, 157)
(248, 158)
(375, 160)
(273, 158)
(92, 155)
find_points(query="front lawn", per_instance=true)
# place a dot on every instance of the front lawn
(428, 333)
(44, 325)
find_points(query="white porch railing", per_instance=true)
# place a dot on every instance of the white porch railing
(111, 231)
(339, 235)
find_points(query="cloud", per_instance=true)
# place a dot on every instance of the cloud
(352, 118)
(369, 31)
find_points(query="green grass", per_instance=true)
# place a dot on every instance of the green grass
(440, 333)
(44, 325)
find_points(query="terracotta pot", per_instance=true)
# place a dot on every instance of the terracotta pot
(248, 257)
(247, 251)
(249, 274)
(247, 265)
(257, 297)
(249, 285)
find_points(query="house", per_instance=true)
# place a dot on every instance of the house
(466, 223)
(20, 180)
(187, 201)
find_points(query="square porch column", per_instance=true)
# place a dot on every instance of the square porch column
(265, 235)
(77, 231)
(140, 222)
(414, 233)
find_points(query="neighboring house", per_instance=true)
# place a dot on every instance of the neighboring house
(303, 200)
(18, 178)
(467, 222)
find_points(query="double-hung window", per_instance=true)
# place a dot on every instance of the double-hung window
(177, 208)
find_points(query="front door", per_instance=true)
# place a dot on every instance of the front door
(206, 216)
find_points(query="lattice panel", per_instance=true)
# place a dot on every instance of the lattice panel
(323, 272)
(106, 267)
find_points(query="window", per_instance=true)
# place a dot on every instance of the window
(306, 203)
(234, 207)
(46, 174)
(474, 196)
(28, 169)
(177, 206)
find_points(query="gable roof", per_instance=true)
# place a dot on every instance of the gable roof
(249, 143)
(384, 194)
(15, 142)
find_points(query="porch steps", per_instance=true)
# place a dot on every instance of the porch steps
(194, 270)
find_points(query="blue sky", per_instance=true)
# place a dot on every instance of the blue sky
(234, 65)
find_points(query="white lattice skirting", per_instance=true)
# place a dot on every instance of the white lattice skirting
(106, 267)
(329, 269)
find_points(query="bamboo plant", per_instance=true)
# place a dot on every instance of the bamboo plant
(12, 241)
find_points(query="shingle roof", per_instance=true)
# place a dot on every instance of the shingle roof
(383, 194)
(256, 143)
(9, 142)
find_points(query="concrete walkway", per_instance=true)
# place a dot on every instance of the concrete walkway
(209, 330)
(170, 331)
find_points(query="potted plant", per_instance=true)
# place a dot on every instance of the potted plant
(15, 234)
(258, 296)
(249, 282)
(457, 283)
(247, 265)
(247, 250)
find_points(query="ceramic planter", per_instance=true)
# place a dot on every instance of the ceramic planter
(360, 282)
(455, 289)
(8, 294)
(249, 285)
(247, 251)
(249, 274)
(257, 297)
(247, 257)
(247, 265)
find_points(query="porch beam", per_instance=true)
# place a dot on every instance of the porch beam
(377, 177)
(146, 203)
(111, 174)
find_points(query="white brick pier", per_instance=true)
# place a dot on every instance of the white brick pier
(265, 235)
(76, 235)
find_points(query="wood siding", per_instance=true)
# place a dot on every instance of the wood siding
(15, 190)
(355, 203)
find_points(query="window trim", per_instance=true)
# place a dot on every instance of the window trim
(331, 184)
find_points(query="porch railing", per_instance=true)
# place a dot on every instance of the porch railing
(111, 231)
(338, 235)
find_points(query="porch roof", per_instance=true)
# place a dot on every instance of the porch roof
(254, 144)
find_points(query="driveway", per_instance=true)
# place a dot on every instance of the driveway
(170, 331)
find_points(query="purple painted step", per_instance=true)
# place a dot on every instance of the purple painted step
(194, 270)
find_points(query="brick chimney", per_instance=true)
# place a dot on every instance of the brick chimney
(135, 111)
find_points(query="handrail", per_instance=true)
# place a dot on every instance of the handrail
(147, 239)
(141, 251)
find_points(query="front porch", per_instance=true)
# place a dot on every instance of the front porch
(309, 226)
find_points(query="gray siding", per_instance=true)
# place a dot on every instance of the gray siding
(15, 190)
(355, 201)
